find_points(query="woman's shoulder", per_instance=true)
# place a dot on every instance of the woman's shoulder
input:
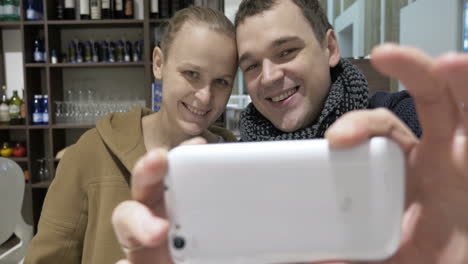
(227, 135)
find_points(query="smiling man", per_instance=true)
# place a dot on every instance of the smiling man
(297, 80)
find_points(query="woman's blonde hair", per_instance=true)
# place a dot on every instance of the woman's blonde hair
(214, 19)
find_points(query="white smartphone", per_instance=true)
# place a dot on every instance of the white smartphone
(284, 202)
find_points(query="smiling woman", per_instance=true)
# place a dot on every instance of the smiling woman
(93, 176)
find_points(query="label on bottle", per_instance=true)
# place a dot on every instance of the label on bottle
(31, 14)
(37, 118)
(38, 56)
(69, 3)
(95, 12)
(128, 8)
(4, 113)
(84, 7)
(14, 111)
(105, 4)
(45, 118)
(10, 10)
(119, 5)
(154, 6)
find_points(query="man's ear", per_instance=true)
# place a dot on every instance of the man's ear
(158, 61)
(330, 44)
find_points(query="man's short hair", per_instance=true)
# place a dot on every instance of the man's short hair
(310, 9)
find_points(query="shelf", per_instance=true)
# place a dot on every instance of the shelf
(41, 185)
(18, 159)
(159, 20)
(71, 126)
(38, 126)
(96, 23)
(10, 24)
(97, 64)
(12, 127)
(33, 23)
(35, 65)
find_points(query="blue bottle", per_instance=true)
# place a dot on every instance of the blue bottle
(37, 110)
(104, 51)
(128, 51)
(112, 49)
(45, 109)
(38, 53)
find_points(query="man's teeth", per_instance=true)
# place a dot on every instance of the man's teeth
(284, 96)
(195, 111)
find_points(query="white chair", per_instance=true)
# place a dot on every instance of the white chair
(15, 233)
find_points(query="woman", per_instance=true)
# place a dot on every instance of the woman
(93, 176)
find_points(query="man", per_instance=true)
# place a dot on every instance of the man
(298, 83)
(286, 75)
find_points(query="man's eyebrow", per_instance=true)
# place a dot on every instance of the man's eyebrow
(244, 57)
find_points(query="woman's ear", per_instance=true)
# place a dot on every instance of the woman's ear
(330, 43)
(158, 61)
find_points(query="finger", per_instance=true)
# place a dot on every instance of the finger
(355, 127)
(453, 69)
(123, 261)
(194, 141)
(137, 227)
(147, 177)
(433, 101)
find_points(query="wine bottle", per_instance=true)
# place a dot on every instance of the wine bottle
(106, 9)
(128, 9)
(164, 8)
(69, 11)
(60, 9)
(95, 9)
(84, 9)
(154, 9)
(119, 11)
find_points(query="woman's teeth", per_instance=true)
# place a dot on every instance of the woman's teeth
(281, 97)
(195, 111)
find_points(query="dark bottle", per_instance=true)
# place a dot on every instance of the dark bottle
(88, 57)
(95, 9)
(154, 9)
(15, 108)
(79, 52)
(84, 9)
(95, 52)
(72, 52)
(164, 8)
(45, 109)
(69, 11)
(128, 51)
(128, 9)
(38, 51)
(175, 6)
(119, 52)
(187, 3)
(112, 48)
(34, 10)
(138, 51)
(106, 9)
(104, 51)
(60, 9)
(119, 9)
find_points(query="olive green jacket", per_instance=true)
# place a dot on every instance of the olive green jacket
(91, 180)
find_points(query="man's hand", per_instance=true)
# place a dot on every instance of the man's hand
(435, 226)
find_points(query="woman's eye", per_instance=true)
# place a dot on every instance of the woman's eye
(222, 82)
(192, 74)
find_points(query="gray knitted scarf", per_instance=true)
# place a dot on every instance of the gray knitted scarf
(348, 92)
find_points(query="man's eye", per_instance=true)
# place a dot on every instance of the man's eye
(286, 52)
(251, 67)
(192, 74)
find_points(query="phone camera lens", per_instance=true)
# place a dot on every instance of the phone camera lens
(178, 242)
